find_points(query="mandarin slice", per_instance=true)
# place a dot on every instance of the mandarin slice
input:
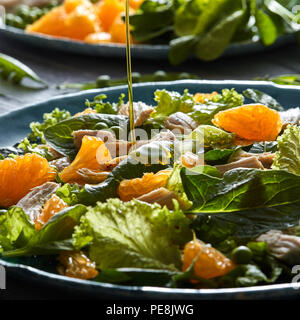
(19, 175)
(129, 189)
(108, 11)
(76, 264)
(91, 154)
(202, 97)
(210, 263)
(85, 111)
(254, 122)
(51, 207)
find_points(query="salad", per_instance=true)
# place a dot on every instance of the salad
(205, 194)
(203, 28)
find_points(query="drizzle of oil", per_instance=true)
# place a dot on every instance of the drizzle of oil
(129, 75)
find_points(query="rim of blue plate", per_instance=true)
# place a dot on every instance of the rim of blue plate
(275, 290)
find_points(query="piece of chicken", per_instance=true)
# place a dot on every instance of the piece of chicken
(141, 112)
(284, 247)
(249, 162)
(33, 202)
(181, 122)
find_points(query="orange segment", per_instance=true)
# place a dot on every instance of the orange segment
(76, 264)
(254, 122)
(108, 11)
(52, 23)
(118, 31)
(210, 263)
(51, 207)
(129, 189)
(86, 111)
(74, 19)
(202, 97)
(91, 154)
(99, 37)
(19, 175)
(135, 4)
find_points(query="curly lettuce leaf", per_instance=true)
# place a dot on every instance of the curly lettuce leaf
(288, 155)
(50, 119)
(169, 102)
(105, 107)
(133, 234)
(204, 113)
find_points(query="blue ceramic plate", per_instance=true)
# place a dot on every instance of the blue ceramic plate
(14, 126)
(118, 50)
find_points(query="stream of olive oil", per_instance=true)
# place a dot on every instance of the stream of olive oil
(129, 76)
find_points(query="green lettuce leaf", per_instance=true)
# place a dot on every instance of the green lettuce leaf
(212, 136)
(288, 155)
(169, 102)
(15, 229)
(174, 184)
(133, 234)
(54, 237)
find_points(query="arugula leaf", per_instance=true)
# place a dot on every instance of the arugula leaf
(133, 234)
(288, 154)
(263, 98)
(60, 138)
(52, 238)
(16, 71)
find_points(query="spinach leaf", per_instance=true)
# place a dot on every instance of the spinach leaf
(266, 28)
(263, 98)
(212, 45)
(240, 189)
(218, 156)
(60, 137)
(261, 147)
(245, 225)
(152, 20)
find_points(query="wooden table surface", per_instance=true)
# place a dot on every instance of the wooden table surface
(56, 68)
